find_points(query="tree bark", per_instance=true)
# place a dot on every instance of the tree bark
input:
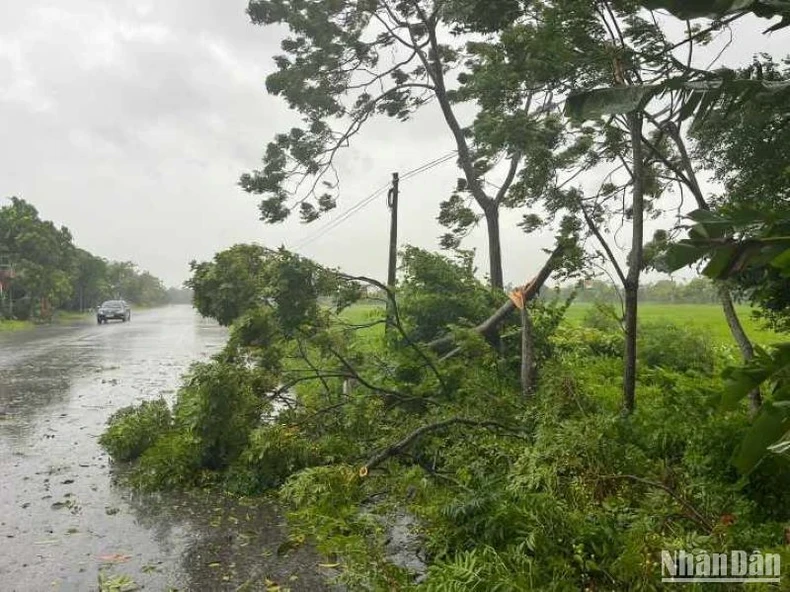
(631, 286)
(494, 246)
(527, 352)
(747, 350)
(490, 207)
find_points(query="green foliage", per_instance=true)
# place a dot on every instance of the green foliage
(172, 462)
(572, 340)
(595, 497)
(436, 292)
(218, 407)
(132, 430)
(560, 492)
(274, 453)
(602, 317)
(700, 96)
(736, 243)
(670, 346)
(229, 285)
(748, 151)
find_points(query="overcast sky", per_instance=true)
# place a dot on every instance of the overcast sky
(130, 121)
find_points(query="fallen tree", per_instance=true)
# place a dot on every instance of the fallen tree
(488, 327)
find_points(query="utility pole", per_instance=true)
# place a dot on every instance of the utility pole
(392, 203)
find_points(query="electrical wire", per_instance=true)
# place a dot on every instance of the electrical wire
(361, 204)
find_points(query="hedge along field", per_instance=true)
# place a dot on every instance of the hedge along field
(707, 317)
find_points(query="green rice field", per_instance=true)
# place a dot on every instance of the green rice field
(706, 317)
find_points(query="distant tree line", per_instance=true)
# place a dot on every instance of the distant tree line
(42, 270)
(696, 291)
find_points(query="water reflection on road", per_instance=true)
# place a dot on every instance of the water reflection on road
(62, 518)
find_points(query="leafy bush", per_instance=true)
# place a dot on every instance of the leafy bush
(674, 347)
(172, 462)
(586, 341)
(602, 316)
(132, 430)
(218, 407)
(273, 454)
(437, 292)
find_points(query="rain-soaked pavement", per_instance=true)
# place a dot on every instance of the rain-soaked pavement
(63, 519)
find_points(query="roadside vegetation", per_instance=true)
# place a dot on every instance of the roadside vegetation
(530, 442)
(44, 276)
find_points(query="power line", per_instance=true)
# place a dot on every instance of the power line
(337, 221)
(429, 165)
(361, 204)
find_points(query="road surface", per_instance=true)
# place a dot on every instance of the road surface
(64, 519)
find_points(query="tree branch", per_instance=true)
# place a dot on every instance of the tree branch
(511, 174)
(695, 514)
(530, 291)
(594, 229)
(398, 325)
(401, 445)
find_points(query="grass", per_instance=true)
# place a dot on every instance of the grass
(706, 317)
(59, 318)
(11, 326)
(363, 312)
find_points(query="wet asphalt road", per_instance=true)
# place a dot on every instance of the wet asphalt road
(64, 519)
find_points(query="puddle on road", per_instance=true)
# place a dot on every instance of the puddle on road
(64, 519)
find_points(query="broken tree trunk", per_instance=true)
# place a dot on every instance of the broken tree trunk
(529, 291)
(527, 352)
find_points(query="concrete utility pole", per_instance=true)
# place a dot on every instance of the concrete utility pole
(392, 203)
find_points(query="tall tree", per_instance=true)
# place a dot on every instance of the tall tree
(43, 258)
(348, 61)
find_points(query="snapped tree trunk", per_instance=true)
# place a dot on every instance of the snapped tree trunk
(634, 264)
(527, 352)
(492, 323)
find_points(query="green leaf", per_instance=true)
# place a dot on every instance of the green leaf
(762, 367)
(720, 262)
(614, 100)
(771, 424)
(594, 103)
(782, 261)
(682, 254)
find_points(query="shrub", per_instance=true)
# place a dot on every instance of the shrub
(436, 292)
(132, 430)
(602, 316)
(586, 341)
(218, 406)
(172, 462)
(671, 346)
(272, 455)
